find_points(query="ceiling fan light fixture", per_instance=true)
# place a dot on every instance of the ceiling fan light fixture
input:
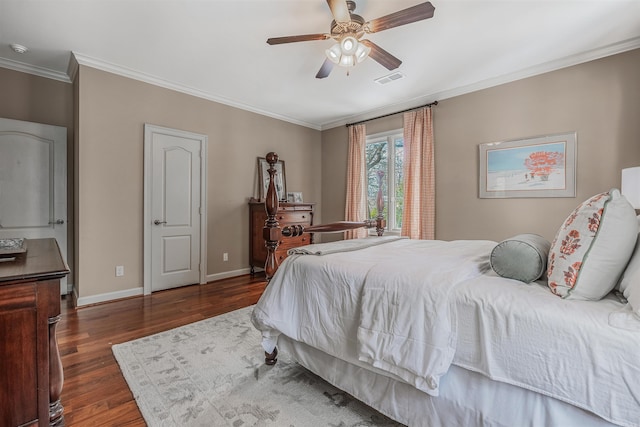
(348, 52)
(362, 52)
(349, 45)
(334, 53)
(347, 61)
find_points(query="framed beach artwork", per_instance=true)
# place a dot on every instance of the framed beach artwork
(542, 166)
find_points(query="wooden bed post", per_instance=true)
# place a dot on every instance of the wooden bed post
(271, 231)
(272, 235)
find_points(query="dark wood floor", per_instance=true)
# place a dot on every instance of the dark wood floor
(95, 392)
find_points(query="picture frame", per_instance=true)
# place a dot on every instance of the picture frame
(280, 178)
(294, 197)
(543, 166)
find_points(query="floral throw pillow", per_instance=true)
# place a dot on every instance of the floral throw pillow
(592, 248)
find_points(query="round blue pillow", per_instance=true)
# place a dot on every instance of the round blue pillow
(522, 257)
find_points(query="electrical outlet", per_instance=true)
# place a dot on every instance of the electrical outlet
(119, 270)
(225, 257)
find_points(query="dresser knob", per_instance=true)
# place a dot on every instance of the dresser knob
(304, 240)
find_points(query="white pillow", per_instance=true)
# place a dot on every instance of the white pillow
(592, 248)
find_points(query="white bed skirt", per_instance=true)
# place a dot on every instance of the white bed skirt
(466, 398)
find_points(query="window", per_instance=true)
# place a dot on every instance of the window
(385, 155)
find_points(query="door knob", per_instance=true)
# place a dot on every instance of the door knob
(57, 221)
(158, 222)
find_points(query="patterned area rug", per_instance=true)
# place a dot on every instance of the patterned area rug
(212, 373)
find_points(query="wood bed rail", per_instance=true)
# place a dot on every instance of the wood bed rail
(273, 233)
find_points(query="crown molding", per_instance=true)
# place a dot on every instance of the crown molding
(72, 67)
(590, 55)
(88, 61)
(77, 59)
(34, 70)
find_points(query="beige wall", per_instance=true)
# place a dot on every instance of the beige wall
(600, 100)
(104, 115)
(112, 112)
(36, 99)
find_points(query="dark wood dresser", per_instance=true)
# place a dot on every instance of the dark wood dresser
(31, 375)
(288, 214)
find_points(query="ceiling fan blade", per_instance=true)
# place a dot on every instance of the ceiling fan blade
(402, 17)
(326, 68)
(339, 10)
(380, 55)
(301, 38)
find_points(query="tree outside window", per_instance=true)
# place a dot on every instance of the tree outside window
(385, 153)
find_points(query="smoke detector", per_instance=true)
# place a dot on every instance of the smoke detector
(18, 48)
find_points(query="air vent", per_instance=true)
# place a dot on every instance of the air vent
(388, 79)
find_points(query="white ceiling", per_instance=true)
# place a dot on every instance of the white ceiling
(217, 49)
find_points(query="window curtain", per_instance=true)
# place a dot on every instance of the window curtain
(418, 216)
(356, 204)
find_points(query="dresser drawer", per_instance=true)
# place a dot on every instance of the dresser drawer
(293, 217)
(294, 242)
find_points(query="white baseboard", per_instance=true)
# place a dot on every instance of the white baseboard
(127, 293)
(227, 274)
(109, 296)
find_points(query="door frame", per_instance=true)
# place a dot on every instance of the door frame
(149, 129)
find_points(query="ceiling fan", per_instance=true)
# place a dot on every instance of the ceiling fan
(347, 29)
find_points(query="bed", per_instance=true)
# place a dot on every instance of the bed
(435, 333)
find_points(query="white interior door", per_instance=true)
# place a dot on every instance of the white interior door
(174, 223)
(33, 183)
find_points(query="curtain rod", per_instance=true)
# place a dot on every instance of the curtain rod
(392, 114)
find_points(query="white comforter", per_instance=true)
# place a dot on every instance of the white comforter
(407, 322)
(399, 318)
(400, 307)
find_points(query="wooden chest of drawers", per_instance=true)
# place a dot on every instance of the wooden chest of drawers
(288, 214)
(31, 376)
